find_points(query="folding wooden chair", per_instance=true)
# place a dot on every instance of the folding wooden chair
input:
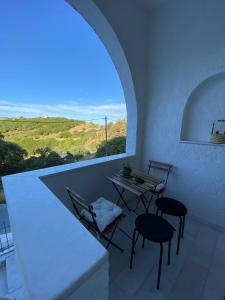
(90, 214)
(164, 168)
(159, 167)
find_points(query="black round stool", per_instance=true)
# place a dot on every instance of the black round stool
(175, 208)
(155, 229)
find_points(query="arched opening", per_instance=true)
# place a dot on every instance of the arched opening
(204, 105)
(98, 22)
(30, 158)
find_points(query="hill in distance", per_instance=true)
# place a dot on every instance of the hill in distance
(59, 134)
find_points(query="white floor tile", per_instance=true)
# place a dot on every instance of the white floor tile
(196, 274)
(221, 241)
(190, 282)
(204, 246)
(215, 286)
(115, 293)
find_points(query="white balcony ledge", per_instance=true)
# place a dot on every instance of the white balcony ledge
(58, 258)
(70, 167)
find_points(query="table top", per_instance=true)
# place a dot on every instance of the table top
(131, 185)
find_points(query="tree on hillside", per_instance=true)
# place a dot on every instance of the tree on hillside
(53, 159)
(43, 152)
(69, 157)
(11, 155)
(116, 145)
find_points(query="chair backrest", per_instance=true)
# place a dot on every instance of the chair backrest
(79, 203)
(160, 166)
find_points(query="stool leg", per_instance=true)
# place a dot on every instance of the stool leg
(179, 236)
(169, 250)
(160, 265)
(182, 234)
(132, 249)
(157, 212)
(143, 242)
(161, 213)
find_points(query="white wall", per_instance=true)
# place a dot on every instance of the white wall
(90, 182)
(129, 21)
(186, 46)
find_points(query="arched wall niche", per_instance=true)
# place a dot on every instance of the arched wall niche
(103, 29)
(205, 104)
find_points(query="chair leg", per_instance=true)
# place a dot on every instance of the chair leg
(124, 232)
(182, 234)
(169, 251)
(132, 249)
(111, 236)
(136, 207)
(179, 235)
(160, 265)
(150, 201)
(110, 242)
(143, 242)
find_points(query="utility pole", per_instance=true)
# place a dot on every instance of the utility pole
(106, 137)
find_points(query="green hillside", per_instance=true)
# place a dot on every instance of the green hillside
(58, 134)
(34, 143)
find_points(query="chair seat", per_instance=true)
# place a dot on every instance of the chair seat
(154, 228)
(171, 206)
(106, 213)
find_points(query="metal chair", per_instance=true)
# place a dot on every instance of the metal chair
(89, 216)
(164, 168)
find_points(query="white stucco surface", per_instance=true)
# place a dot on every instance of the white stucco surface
(205, 105)
(129, 21)
(186, 46)
(56, 254)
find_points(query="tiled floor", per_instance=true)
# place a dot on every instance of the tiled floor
(197, 273)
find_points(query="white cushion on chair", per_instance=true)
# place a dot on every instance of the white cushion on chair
(160, 187)
(106, 212)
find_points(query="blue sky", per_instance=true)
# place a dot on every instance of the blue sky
(53, 64)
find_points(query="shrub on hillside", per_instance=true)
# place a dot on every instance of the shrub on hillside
(11, 155)
(65, 134)
(116, 145)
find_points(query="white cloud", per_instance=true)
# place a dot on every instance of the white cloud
(70, 110)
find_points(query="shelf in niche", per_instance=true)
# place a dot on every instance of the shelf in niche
(201, 143)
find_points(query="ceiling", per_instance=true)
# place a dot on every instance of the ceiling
(151, 3)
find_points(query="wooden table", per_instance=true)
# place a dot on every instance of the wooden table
(122, 184)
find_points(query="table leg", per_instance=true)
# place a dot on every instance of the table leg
(143, 199)
(134, 240)
(121, 196)
(139, 200)
(150, 200)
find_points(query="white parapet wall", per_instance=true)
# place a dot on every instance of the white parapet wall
(57, 257)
